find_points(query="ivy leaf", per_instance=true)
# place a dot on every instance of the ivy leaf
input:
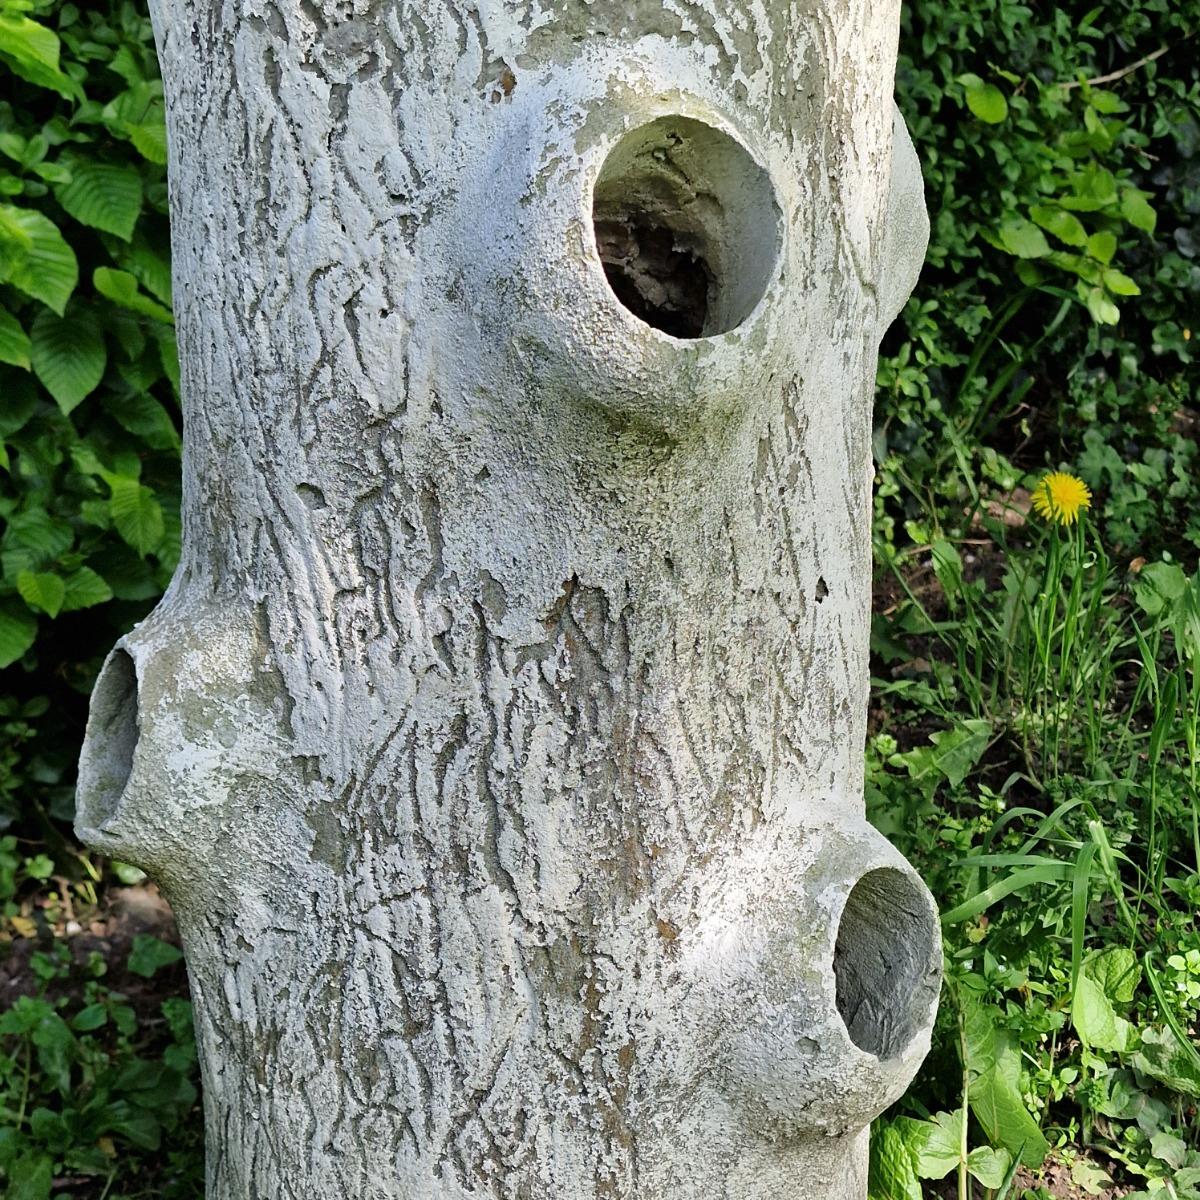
(42, 590)
(85, 589)
(122, 288)
(985, 100)
(68, 357)
(1023, 238)
(137, 515)
(14, 342)
(103, 195)
(35, 258)
(18, 629)
(150, 954)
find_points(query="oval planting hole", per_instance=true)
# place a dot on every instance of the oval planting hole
(687, 227)
(886, 962)
(112, 736)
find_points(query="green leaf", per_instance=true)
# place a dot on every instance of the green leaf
(68, 357)
(32, 50)
(1023, 238)
(31, 1177)
(18, 629)
(55, 1050)
(150, 954)
(1135, 208)
(1117, 972)
(84, 588)
(985, 100)
(1103, 310)
(145, 417)
(1095, 1019)
(122, 288)
(14, 342)
(1158, 586)
(1162, 1057)
(103, 195)
(42, 591)
(89, 1018)
(941, 1149)
(149, 140)
(1063, 225)
(35, 258)
(1119, 284)
(137, 515)
(1102, 246)
(892, 1173)
(989, 1165)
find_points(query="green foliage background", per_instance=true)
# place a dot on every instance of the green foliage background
(1053, 327)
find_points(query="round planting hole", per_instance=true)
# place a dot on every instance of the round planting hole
(687, 227)
(885, 962)
(112, 735)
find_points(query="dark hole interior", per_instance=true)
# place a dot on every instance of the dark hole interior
(885, 962)
(662, 282)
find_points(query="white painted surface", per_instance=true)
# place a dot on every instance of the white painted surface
(500, 737)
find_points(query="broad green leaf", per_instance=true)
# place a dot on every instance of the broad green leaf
(989, 1165)
(139, 115)
(35, 258)
(1162, 1057)
(137, 515)
(122, 288)
(1158, 586)
(42, 590)
(996, 1102)
(145, 417)
(103, 195)
(1102, 246)
(68, 356)
(84, 589)
(31, 50)
(892, 1173)
(32, 538)
(149, 140)
(55, 1050)
(993, 1088)
(31, 1177)
(14, 342)
(150, 954)
(1095, 1019)
(939, 1153)
(18, 629)
(1119, 284)
(89, 1018)
(985, 100)
(1117, 972)
(1023, 238)
(151, 266)
(1135, 208)
(1063, 225)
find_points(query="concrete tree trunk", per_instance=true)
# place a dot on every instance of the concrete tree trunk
(499, 740)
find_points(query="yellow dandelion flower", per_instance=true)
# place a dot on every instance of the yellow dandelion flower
(1061, 497)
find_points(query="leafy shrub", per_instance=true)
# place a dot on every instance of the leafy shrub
(89, 441)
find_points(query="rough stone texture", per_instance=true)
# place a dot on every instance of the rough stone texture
(499, 740)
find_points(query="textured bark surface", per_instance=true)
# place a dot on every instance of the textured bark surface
(499, 740)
